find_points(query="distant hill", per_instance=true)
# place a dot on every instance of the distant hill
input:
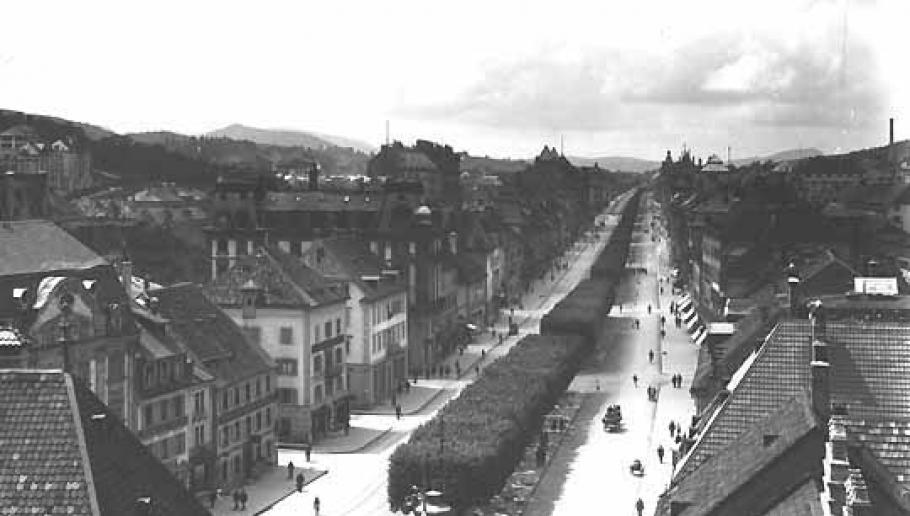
(288, 138)
(787, 155)
(619, 163)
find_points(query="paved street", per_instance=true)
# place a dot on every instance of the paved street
(356, 482)
(592, 473)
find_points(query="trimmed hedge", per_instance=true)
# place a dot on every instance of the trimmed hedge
(488, 425)
(582, 311)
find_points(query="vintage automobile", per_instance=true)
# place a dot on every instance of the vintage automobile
(612, 420)
(636, 468)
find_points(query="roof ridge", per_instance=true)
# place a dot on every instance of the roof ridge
(75, 411)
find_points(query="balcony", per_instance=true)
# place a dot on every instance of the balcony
(329, 343)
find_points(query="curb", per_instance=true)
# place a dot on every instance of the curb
(358, 449)
(293, 490)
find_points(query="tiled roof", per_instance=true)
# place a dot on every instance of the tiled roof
(284, 281)
(42, 458)
(210, 334)
(59, 459)
(21, 131)
(870, 376)
(750, 463)
(31, 246)
(803, 501)
(356, 259)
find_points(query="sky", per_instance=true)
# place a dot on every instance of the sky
(492, 77)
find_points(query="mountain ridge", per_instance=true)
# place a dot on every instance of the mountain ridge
(288, 137)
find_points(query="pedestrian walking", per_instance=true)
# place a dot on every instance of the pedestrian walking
(477, 370)
(290, 470)
(640, 506)
(663, 333)
(316, 505)
(407, 386)
(649, 308)
(660, 453)
(635, 380)
(300, 482)
(663, 320)
(212, 497)
(651, 356)
(672, 428)
(243, 498)
(398, 412)
(236, 496)
(307, 449)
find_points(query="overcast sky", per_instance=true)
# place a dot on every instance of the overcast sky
(491, 77)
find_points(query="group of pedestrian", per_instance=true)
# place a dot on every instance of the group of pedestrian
(676, 380)
(240, 499)
(652, 393)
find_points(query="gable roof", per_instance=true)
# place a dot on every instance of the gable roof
(870, 376)
(210, 334)
(736, 467)
(32, 246)
(356, 260)
(283, 281)
(59, 459)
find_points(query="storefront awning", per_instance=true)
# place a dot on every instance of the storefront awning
(692, 323)
(685, 303)
(699, 335)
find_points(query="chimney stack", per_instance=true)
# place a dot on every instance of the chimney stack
(314, 177)
(126, 276)
(891, 131)
(821, 380)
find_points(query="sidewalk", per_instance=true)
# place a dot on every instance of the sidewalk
(478, 353)
(265, 490)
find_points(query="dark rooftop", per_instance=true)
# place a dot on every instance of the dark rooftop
(62, 458)
(210, 334)
(30, 246)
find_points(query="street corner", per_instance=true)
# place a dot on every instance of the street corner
(263, 490)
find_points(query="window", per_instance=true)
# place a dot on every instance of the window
(317, 364)
(162, 407)
(199, 435)
(258, 420)
(237, 430)
(236, 463)
(179, 444)
(339, 355)
(236, 396)
(328, 329)
(287, 396)
(268, 384)
(163, 445)
(318, 394)
(198, 403)
(224, 470)
(258, 387)
(148, 415)
(179, 406)
(249, 425)
(286, 336)
(224, 400)
(316, 337)
(287, 367)
(338, 326)
(247, 392)
(268, 416)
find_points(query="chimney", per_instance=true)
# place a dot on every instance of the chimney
(10, 199)
(314, 177)
(249, 294)
(821, 380)
(819, 320)
(890, 131)
(453, 242)
(126, 276)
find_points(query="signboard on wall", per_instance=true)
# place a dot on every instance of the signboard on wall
(876, 286)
